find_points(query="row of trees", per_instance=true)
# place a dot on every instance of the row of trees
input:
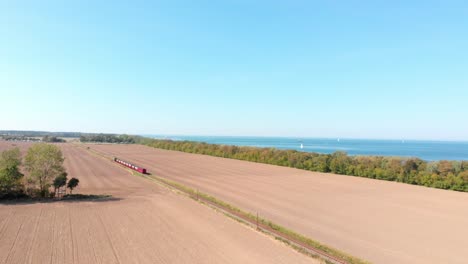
(108, 138)
(18, 138)
(52, 139)
(44, 168)
(439, 174)
(61, 181)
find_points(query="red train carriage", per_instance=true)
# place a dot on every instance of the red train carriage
(130, 165)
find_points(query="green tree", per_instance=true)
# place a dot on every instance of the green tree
(60, 181)
(52, 139)
(44, 162)
(72, 183)
(339, 162)
(10, 176)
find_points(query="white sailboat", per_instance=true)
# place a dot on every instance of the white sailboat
(302, 146)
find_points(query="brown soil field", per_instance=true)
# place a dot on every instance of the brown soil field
(142, 223)
(23, 146)
(380, 221)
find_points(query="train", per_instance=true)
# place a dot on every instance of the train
(130, 165)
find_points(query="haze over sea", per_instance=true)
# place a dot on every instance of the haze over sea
(426, 150)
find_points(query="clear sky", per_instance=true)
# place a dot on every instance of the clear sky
(357, 69)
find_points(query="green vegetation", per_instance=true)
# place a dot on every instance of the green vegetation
(439, 174)
(280, 229)
(59, 182)
(44, 168)
(52, 139)
(10, 175)
(18, 138)
(44, 162)
(72, 183)
(108, 138)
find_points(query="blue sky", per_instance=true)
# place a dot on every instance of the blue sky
(357, 69)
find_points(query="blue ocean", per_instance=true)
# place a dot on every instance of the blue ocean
(426, 150)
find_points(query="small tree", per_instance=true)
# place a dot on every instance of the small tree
(44, 162)
(72, 183)
(60, 181)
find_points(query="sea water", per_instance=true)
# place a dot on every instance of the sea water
(426, 150)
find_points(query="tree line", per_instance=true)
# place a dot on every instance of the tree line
(438, 174)
(18, 138)
(108, 138)
(43, 165)
(52, 139)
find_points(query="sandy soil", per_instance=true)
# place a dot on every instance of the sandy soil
(383, 222)
(144, 223)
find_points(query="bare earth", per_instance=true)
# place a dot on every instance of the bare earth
(145, 223)
(383, 222)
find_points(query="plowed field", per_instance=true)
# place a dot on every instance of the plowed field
(143, 223)
(384, 222)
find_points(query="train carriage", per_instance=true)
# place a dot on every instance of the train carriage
(130, 165)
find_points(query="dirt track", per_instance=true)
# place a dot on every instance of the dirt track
(384, 222)
(145, 223)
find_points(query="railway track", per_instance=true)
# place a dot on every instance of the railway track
(256, 224)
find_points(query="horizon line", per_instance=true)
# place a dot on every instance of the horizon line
(245, 136)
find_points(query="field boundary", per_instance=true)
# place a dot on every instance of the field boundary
(296, 240)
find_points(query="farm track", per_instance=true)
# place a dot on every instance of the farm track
(144, 223)
(384, 222)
